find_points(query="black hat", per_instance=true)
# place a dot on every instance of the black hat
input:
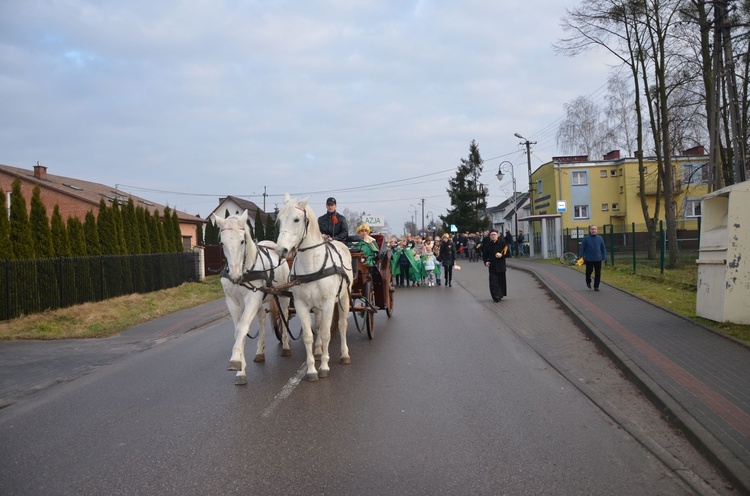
(493, 230)
(331, 201)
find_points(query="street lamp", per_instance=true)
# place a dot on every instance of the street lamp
(528, 157)
(500, 177)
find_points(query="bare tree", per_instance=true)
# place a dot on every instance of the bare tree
(583, 131)
(622, 118)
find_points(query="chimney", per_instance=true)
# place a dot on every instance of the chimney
(40, 171)
(613, 155)
(694, 151)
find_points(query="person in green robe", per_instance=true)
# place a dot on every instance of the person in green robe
(403, 263)
(367, 245)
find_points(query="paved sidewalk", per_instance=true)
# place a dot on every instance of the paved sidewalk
(698, 378)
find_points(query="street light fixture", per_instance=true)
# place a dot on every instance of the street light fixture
(500, 177)
(528, 144)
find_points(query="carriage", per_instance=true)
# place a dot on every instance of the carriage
(371, 291)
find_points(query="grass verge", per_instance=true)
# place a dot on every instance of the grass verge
(105, 318)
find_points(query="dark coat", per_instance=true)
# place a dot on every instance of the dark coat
(447, 255)
(490, 248)
(335, 228)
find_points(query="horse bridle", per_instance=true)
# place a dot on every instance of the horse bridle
(264, 274)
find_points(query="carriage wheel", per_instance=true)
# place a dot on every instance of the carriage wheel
(389, 302)
(369, 295)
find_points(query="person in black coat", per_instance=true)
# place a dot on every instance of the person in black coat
(494, 253)
(447, 257)
(332, 224)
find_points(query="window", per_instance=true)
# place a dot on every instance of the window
(694, 174)
(692, 208)
(613, 173)
(603, 174)
(615, 206)
(581, 212)
(578, 178)
(539, 188)
(605, 207)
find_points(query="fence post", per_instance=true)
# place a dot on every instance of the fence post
(7, 289)
(632, 242)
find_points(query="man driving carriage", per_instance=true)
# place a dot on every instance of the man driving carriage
(332, 225)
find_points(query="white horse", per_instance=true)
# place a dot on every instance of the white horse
(250, 268)
(323, 271)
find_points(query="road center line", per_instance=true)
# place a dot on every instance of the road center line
(286, 390)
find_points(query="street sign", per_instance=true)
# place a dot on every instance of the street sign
(561, 207)
(373, 220)
(454, 228)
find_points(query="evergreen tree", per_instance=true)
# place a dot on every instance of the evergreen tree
(6, 248)
(212, 233)
(177, 232)
(468, 196)
(143, 218)
(157, 245)
(271, 225)
(260, 233)
(91, 234)
(198, 233)
(21, 237)
(60, 240)
(77, 237)
(131, 227)
(43, 247)
(106, 227)
(120, 245)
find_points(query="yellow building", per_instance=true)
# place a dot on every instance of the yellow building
(574, 192)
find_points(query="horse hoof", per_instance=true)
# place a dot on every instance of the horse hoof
(286, 353)
(323, 373)
(235, 366)
(312, 376)
(346, 361)
(259, 358)
(240, 380)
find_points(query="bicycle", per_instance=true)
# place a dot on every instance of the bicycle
(569, 258)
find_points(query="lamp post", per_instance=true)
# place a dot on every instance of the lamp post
(528, 144)
(500, 177)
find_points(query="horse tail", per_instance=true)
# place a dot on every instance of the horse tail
(273, 308)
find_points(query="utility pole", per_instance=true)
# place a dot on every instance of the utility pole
(528, 144)
(264, 198)
(423, 231)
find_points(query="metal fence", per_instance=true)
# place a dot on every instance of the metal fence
(630, 245)
(32, 286)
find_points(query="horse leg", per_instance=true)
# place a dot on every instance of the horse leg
(318, 343)
(260, 355)
(344, 304)
(324, 331)
(286, 350)
(307, 337)
(237, 362)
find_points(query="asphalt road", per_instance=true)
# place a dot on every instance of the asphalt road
(456, 395)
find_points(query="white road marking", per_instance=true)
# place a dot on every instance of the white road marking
(286, 390)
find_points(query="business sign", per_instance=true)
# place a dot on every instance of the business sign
(561, 207)
(373, 220)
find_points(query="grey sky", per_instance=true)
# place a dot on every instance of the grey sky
(185, 101)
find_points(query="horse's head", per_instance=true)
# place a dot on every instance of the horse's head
(234, 239)
(296, 220)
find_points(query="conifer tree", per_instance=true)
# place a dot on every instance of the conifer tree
(91, 234)
(60, 240)
(157, 245)
(177, 232)
(106, 227)
(21, 237)
(120, 245)
(76, 237)
(271, 225)
(131, 227)
(198, 233)
(212, 233)
(6, 248)
(143, 217)
(260, 233)
(43, 247)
